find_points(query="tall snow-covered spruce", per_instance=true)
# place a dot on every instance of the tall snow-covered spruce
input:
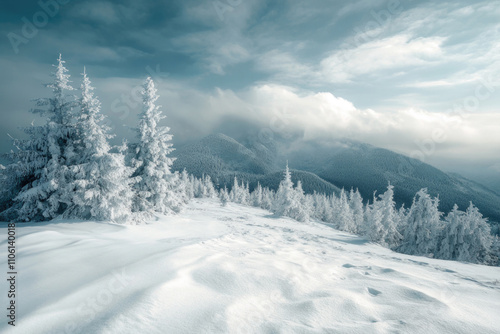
(390, 218)
(41, 163)
(423, 225)
(101, 189)
(344, 215)
(66, 167)
(157, 187)
(289, 201)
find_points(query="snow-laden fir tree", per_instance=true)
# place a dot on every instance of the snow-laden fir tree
(495, 252)
(234, 192)
(10, 178)
(244, 194)
(288, 200)
(247, 193)
(156, 189)
(102, 188)
(224, 196)
(208, 187)
(256, 196)
(198, 189)
(40, 169)
(285, 195)
(374, 229)
(267, 198)
(422, 226)
(344, 217)
(303, 213)
(477, 237)
(402, 219)
(356, 204)
(334, 203)
(239, 193)
(188, 179)
(465, 237)
(452, 235)
(185, 186)
(315, 211)
(322, 207)
(308, 201)
(201, 189)
(390, 218)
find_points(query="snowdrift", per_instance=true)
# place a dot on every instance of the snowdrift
(237, 269)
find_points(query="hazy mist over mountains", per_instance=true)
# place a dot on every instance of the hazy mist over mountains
(341, 163)
(405, 76)
(250, 166)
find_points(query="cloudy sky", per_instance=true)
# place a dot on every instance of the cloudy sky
(418, 77)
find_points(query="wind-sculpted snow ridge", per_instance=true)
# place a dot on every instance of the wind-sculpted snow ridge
(237, 269)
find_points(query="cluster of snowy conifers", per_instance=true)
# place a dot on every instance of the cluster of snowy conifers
(67, 168)
(418, 230)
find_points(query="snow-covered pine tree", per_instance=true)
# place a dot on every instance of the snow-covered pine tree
(495, 252)
(235, 191)
(423, 225)
(200, 191)
(323, 206)
(304, 209)
(452, 235)
(477, 237)
(224, 196)
(334, 206)
(248, 199)
(188, 180)
(366, 218)
(102, 187)
(209, 189)
(390, 218)
(191, 187)
(345, 218)
(12, 178)
(287, 202)
(308, 204)
(316, 210)
(256, 196)
(243, 195)
(356, 204)
(40, 163)
(155, 190)
(465, 237)
(374, 230)
(402, 219)
(175, 198)
(186, 186)
(267, 198)
(239, 193)
(284, 200)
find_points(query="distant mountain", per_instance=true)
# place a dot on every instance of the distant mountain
(218, 154)
(223, 158)
(326, 167)
(351, 164)
(487, 176)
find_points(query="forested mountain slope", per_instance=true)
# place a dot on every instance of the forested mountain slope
(340, 164)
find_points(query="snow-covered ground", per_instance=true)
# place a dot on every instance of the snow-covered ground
(237, 269)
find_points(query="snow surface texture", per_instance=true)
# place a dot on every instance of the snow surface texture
(237, 269)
